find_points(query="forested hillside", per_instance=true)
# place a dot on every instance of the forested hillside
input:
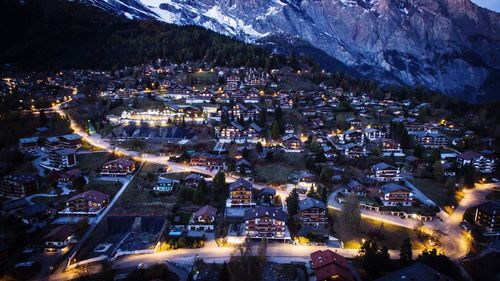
(52, 34)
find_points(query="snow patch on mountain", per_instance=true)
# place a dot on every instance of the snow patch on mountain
(448, 45)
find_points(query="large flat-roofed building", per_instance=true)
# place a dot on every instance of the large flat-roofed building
(487, 215)
(61, 159)
(483, 163)
(29, 144)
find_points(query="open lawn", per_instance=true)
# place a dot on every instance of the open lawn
(385, 234)
(278, 172)
(26, 168)
(108, 187)
(272, 173)
(494, 195)
(57, 200)
(297, 82)
(437, 192)
(484, 268)
(89, 147)
(139, 198)
(92, 161)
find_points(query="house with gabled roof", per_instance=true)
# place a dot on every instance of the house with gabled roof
(266, 223)
(88, 203)
(292, 143)
(203, 219)
(240, 194)
(57, 239)
(383, 172)
(118, 167)
(328, 265)
(312, 213)
(393, 194)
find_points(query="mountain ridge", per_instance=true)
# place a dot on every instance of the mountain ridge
(452, 46)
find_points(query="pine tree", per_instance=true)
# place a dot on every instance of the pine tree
(292, 202)
(405, 252)
(219, 184)
(224, 273)
(275, 131)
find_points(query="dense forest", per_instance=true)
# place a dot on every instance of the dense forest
(53, 34)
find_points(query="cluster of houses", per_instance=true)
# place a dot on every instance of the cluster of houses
(262, 217)
(60, 159)
(386, 194)
(255, 214)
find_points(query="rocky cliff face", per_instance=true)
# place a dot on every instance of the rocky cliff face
(447, 45)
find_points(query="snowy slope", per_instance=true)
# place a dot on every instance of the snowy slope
(447, 45)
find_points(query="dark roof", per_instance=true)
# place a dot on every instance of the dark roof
(90, 195)
(468, 155)
(12, 205)
(65, 151)
(415, 272)
(211, 211)
(260, 212)
(69, 174)
(240, 182)
(391, 187)
(121, 161)
(70, 137)
(255, 127)
(195, 177)
(309, 203)
(354, 184)
(243, 162)
(382, 166)
(267, 191)
(144, 130)
(60, 233)
(34, 210)
(328, 263)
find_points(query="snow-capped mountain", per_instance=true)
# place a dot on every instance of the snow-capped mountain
(447, 45)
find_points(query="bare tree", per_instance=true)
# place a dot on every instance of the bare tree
(350, 218)
(261, 252)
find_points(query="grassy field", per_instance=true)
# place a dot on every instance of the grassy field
(297, 82)
(51, 200)
(437, 192)
(139, 199)
(273, 173)
(484, 268)
(26, 168)
(278, 172)
(92, 161)
(494, 195)
(385, 234)
(108, 187)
